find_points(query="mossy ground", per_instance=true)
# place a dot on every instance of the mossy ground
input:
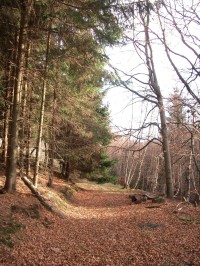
(7, 228)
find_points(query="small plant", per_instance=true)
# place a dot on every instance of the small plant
(158, 200)
(107, 179)
(31, 211)
(67, 192)
(7, 228)
(103, 173)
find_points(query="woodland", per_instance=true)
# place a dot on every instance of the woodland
(72, 190)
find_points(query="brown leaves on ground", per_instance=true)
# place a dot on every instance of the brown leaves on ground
(101, 229)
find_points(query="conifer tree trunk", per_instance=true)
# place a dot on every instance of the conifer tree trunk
(6, 123)
(41, 120)
(52, 140)
(10, 184)
(28, 131)
(11, 73)
(24, 110)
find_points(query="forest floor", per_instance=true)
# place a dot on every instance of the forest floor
(99, 227)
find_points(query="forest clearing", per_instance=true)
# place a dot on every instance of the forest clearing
(100, 226)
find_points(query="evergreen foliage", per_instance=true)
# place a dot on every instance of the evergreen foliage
(52, 51)
(103, 174)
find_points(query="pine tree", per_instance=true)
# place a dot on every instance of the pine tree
(60, 45)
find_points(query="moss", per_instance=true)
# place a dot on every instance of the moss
(6, 241)
(150, 225)
(68, 192)
(7, 228)
(31, 211)
(158, 200)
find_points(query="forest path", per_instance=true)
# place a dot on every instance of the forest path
(91, 204)
(103, 229)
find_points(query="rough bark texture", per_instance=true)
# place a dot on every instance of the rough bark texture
(10, 184)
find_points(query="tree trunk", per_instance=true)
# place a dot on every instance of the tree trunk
(166, 150)
(5, 131)
(154, 85)
(39, 138)
(29, 131)
(24, 112)
(10, 184)
(140, 168)
(9, 97)
(52, 140)
(28, 147)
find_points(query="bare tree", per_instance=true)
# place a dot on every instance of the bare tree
(145, 83)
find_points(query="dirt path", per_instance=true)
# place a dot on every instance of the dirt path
(103, 229)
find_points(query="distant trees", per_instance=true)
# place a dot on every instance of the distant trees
(184, 141)
(140, 163)
(52, 70)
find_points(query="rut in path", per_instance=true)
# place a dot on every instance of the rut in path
(100, 199)
(93, 204)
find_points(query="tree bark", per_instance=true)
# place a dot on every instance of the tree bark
(41, 120)
(52, 140)
(24, 111)
(10, 184)
(11, 73)
(166, 150)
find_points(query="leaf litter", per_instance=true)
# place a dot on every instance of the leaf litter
(100, 229)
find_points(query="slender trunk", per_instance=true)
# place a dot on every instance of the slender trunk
(52, 140)
(24, 111)
(140, 168)
(41, 120)
(166, 150)
(9, 97)
(192, 177)
(154, 85)
(28, 130)
(157, 163)
(28, 168)
(189, 176)
(5, 129)
(180, 180)
(127, 170)
(10, 184)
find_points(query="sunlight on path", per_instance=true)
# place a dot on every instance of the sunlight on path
(93, 204)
